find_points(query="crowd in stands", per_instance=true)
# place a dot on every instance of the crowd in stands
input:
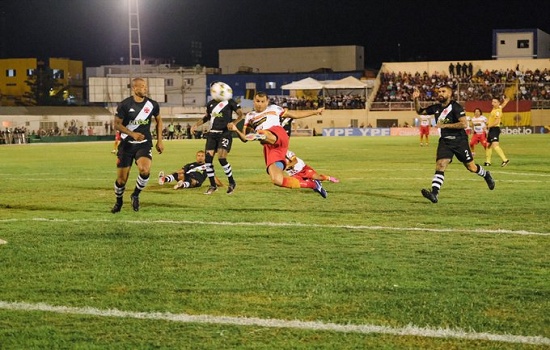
(341, 101)
(468, 86)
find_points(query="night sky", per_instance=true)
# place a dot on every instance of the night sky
(96, 31)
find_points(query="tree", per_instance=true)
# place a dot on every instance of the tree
(44, 87)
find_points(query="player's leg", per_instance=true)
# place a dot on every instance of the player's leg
(120, 187)
(278, 178)
(443, 158)
(143, 162)
(223, 151)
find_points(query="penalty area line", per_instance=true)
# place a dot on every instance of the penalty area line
(409, 330)
(297, 224)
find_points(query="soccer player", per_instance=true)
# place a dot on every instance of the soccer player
(451, 119)
(479, 123)
(190, 175)
(296, 167)
(494, 132)
(265, 123)
(133, 119)
(219, 139)
(425, 121)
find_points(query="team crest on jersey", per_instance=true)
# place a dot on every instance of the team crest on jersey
(147, 110)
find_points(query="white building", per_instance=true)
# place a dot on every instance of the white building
(520, 44)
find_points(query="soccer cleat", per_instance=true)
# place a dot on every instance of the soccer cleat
(162, 179)
(333, 179)
(211, 190)
(116, 208)
(486, 164)
(505, 163)
(178, 185)
(113, 151)
(429, 195)
(135, 202)
(231, 188)
(319, 189)
(489, 179)
(255, 137)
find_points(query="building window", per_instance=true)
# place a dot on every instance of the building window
(523, 44)
(10, 72)
(169, 82)
(503, 42)
(188, 81)
(270, 85)
(30, 72)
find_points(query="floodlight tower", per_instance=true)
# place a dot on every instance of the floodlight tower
(134, 36)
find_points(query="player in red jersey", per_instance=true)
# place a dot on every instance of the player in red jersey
(265, 123)
(296, 167)
(479, 122)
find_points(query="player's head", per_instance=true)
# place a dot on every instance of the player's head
(478, 112)
(139, 87)
(260, 101)
(444, 93)
(495, 102)
(200, 156)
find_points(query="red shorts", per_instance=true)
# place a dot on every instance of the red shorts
(277, 151)
(306, 173)
(425, 130)
(479, 138)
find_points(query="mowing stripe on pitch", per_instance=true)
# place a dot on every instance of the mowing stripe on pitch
(295, 224)
(409, 330)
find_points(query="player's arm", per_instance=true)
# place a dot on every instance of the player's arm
(240, 116)
(160, 143)
(419, 110)
(295, 114)
(135, 135)
(199, 123)
(291, 162)
(505, 102)
(240, 134)
(461, 124)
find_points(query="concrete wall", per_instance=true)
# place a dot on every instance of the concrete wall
(293, 59)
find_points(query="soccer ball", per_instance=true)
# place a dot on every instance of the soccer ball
(221, 91)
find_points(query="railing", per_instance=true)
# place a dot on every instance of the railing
(409, 106)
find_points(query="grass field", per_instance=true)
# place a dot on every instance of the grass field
(375, 265)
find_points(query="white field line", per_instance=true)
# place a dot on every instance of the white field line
(409, 330)
(295, 224)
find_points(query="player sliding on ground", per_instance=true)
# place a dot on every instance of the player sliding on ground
(296, 167)
(264, 125)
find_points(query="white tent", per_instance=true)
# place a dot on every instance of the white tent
(304, 84)
(348, 86)
(346, 83)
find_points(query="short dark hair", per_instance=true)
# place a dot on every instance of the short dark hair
(261, 94)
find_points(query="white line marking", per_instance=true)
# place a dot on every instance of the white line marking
(409, 330)
(294, 224)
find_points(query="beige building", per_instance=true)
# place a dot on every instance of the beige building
(292, 59)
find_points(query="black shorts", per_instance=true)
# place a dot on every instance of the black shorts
(494, 134)
(217, 140)
(195, 179)
(450, 146)
(130, 152)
